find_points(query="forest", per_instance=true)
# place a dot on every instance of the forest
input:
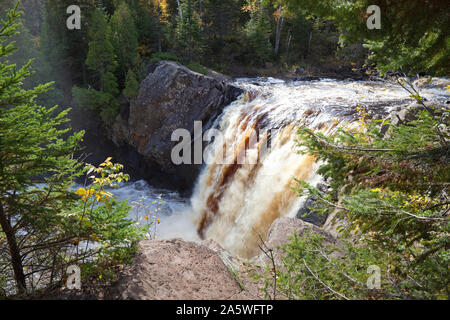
(388, 182)
(118, 40)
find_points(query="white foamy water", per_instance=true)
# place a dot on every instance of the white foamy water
(168, 206)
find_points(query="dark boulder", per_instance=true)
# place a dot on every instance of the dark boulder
(171, 97)
(299, 70)
(306, 212)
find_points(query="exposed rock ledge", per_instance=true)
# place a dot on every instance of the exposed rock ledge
(178, 269)
(170, 97)
(280, 231)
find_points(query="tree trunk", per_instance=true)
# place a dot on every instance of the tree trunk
(278, 31)
(179, 9)
(288, 44)
(16, 259)
(309, 43)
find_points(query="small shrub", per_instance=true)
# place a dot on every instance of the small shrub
(159, 56)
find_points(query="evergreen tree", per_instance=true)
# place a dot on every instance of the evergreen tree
(31, 50)
(124, 38)
(100, 56)
(189, 41)
(65, 49)
(390, 193)
(131, 86)
(257, 32)
(45, 225)
(31, 146)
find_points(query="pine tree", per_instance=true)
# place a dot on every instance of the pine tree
(31, 50)
(258, 31)
(31, 146)
(189, 42)
(124, 38)
(65, 49)
(131, 86)
(413, 35)
(389, 190)
(45, 225)
(101, 59)
(100, 56)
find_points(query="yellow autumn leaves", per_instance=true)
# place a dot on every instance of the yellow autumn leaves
(414, 201)
(157, 219)
(99, 195)
(106, 174)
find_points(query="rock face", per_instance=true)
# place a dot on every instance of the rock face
(280, 231)
(177, 269)
(306, 214)
(171, 97)
(403, 115)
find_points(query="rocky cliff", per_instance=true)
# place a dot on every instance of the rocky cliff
(171, 97)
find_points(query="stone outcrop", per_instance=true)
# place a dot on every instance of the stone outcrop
(280, 231)
(306, 213)
(171, 97)
(177, 269)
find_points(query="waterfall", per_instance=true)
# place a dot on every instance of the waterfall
(250, 168)
(247, 182)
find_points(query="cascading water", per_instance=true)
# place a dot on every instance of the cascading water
(235, 201)
(246, 182)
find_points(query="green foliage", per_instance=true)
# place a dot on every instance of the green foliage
(32, 147)
(413, 36)
(314, 270)
(194, 66)
(188, 33)
(103, 102)
(156, 57)
(124, 38)
(390, 189)
(257, 32)
(131, 86)
(197, 67)
(65, 50)
(101, 59)
(30, 50)
(100, 56)
(45, 226)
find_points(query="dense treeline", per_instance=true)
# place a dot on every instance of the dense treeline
(118, 39)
